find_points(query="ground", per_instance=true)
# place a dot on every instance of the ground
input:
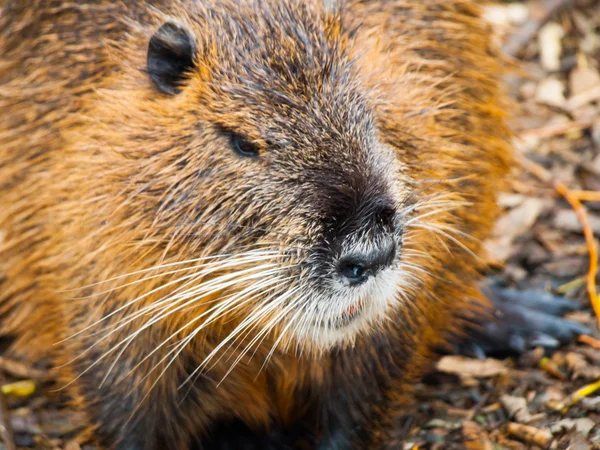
(528, 402)
(521, 403)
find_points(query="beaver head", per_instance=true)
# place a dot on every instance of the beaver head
(245, 167)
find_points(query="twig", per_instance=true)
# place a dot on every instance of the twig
(587, 196)
(581, 212)
(591, 244)
(530, 434)
(571, 285)
(588, 340)
(579, 394)
(549, 366)
(549, 131)
(517, 42)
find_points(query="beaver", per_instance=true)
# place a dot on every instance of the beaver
(245, 224)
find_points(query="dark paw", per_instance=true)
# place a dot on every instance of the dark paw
(523, 320)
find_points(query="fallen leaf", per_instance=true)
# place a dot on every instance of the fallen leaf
(475, 437)
(516, 408)
(72, 445)
(566, 219)
(550, 91)
(468, 367)
(511, 225)
(549, 41)
(583, 426)
(583, 79)
(529, 434)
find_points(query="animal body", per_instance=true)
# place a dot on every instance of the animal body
(244, 223)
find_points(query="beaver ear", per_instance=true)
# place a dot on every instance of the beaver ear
(170, 55)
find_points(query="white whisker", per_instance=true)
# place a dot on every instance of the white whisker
(154, 320)
(257, 314)
(211, 269)
(178, 347)
(433, 228)
(189, 261)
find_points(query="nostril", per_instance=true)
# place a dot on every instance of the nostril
(354, 272)
(355, 268)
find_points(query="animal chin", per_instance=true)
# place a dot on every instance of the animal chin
(346, 317)
(339, 316)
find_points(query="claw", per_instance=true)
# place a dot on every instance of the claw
(577, 329)
(477, 351)
(532, 299)
(544, 340)
(525, 319)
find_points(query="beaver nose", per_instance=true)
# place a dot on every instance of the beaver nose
(356, 268)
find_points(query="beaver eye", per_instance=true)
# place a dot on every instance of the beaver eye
(242, 146)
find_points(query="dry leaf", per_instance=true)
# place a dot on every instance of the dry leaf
(462, 366)
(580, 368)
(550, 91)
(583, 79)
(72, 445)
(516, 408)
(549, 41)
(530, 434)
(514, 223)
(583, 426)
(475, 437)
(566, 219)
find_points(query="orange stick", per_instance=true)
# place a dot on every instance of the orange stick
(589, 196)
(591, 245)
(581, 212)
(588, 340)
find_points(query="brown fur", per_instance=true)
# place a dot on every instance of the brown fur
(100, 177)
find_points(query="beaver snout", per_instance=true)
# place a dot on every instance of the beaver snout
(367, 239)
(355, 268)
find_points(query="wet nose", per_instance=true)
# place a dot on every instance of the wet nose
(355, 268)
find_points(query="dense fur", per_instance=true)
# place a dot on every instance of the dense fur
(103, 178)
